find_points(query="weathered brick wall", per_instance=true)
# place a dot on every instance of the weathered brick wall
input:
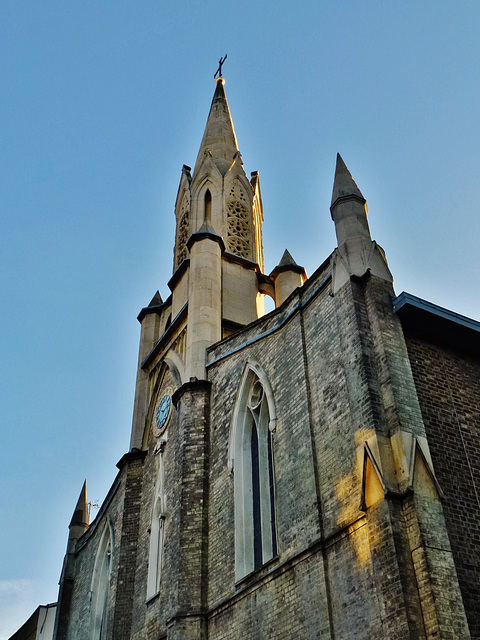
(340, 376)
(80, 616)
(350, 400)
(448, 386)
(441, 607)
(133, 466)
(297, 513)
(315, 364)
(339, 403)
(149, 617)
(290, 603)
(190, 506)
(185, 535)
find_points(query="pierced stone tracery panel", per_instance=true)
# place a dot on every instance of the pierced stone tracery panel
(182, 231)
(238, 229)
(237, 193)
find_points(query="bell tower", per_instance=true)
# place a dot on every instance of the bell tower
(218, 241)
(215, 290)
(216, 286)
(219, 191)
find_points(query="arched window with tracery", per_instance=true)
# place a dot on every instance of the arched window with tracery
(183, 226)
(100, 587)
(252, 462)
(157, 530)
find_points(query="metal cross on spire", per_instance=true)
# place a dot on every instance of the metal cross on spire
(218, 72)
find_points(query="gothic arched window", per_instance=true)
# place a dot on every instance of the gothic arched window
(251, 459)
(100, 587)
(208, 205)
(183, 223)
(155, 559)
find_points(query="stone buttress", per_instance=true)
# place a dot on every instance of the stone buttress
(401, 496)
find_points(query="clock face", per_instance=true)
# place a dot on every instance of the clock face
(163, 411)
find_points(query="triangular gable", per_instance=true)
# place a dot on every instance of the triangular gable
(373, 485)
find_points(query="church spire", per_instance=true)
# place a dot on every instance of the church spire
(218, 245)
(344, 186)
(219, 140)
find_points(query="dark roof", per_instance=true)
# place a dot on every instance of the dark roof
(437, 324)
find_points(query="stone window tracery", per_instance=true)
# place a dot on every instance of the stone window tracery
(251, 460)
(182, 231)
(237, 193)
(238, 229)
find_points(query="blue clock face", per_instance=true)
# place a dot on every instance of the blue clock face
(163, 411)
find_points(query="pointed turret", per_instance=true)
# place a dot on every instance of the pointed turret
(216, 203)
(344, 186)
(287, 276)
(287, 259)
(349, 207)
(154, 319)
(156, 301)
(77, 527)
(357, 253)
(80, 516)
(219, 140)
(206, 227)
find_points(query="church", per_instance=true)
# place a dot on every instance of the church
(307, 473)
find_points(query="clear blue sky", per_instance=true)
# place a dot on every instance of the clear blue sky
(102, 103)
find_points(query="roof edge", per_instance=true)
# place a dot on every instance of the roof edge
(405, 299)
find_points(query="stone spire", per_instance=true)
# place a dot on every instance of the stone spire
(287, 259)
(357, 254)
(344, 186)
(218, 245)
(219, 140)
(77, 527)
(349, 207)
(80, 516)
(156, 301)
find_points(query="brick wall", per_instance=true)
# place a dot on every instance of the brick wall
(80, 611)
(133, 464)
(333, 561)
(149, 617)
(448, 386)
(340, 375)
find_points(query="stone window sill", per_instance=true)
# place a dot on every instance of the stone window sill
(151, 599)
(257, 574)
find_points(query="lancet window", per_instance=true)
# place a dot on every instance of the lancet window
(157, 530)
(208, 205)
(100, 587)
(253, 468)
